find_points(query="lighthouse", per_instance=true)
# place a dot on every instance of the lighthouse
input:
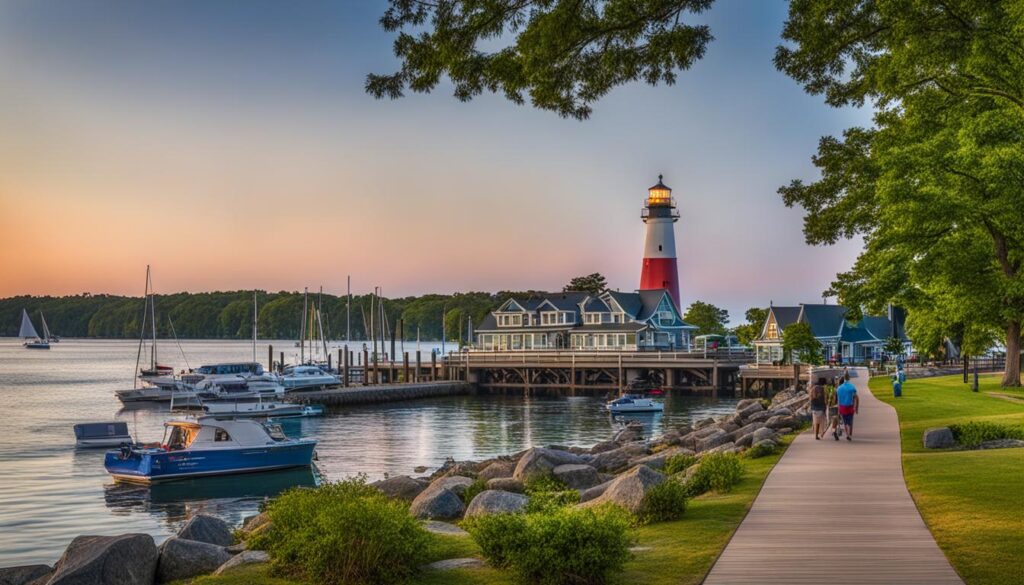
(660, 215)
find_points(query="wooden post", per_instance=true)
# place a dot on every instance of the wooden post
(622, 382)
(329, 361)
(344, 368)
(714, 378)
(405, 367)
(340, 359)
(366, 367)
(416, 376)
(376, 372)
(270, 358)
(433, 366)
(280, 364)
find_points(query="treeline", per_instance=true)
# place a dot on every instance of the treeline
(228, 315)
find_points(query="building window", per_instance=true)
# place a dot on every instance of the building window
(773, 330)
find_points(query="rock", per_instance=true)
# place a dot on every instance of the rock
(604, 446)
(496, 502)
(766, 443)
(254, 522)
(128, 559)
(743, 404)
(780, 411)
(627, 436)
(507, 484)
(728, 447)
(762, 434)
(745, 430)
(438, 527)
(706, 431)
(237, 548)
(401, 487)
(596, 491)
(456, 483)
(184, 559)
(703, 423)
(745, 441)
(939, 438)
(1001, 444)
(437, 504)
(500, 468)
(628, 490)
(729, 427)
(24, 574)
(759, 416)
(670, 438)
(781, 421)
(249, 557)
(783, 431)
(617, 459)
(203, 528)
(420, 469)
(540, 461)
(712, 441)
(684, 430)
(449, 564)
(577, 476)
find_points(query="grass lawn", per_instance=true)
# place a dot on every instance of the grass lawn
(972, 501)
(679, 552)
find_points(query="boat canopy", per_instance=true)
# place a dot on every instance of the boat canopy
(213, 432)
(101, 430)
(227, 369)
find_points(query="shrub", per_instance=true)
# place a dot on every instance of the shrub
(663, 502)
(563, 546)
(537, 484)
(974, 433)
(550, 501)
(760, 450)
(473, 490)
(677, 463)
(718, 472)
(344, 532)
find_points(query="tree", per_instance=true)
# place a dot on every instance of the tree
(563, 54)
(591, 283)
(893, 347)
(934, 187)
(749, 331)
(798, 341)
(710, 319)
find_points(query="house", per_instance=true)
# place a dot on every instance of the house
(841, 340)
(612, 320)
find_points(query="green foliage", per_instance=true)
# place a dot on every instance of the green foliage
(473, 490)
(663, 502)
(677, 463)
(710, 319)
(592, 283)
(561, 546)
(749, 331)
(344, 532)
(537, 484)
(933, 186)
(759, 450)
(974, 433)
(547, 494)
(717, 472)
(563, 54)
(799, 341)
(894, 347)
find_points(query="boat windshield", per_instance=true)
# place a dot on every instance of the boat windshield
(177, 438)
(275, 431)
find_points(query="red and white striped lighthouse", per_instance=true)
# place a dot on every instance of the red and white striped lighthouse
(660, 215)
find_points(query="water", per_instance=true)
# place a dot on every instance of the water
(50, 492)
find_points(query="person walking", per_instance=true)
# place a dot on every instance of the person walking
(849, 404)
(818, 408)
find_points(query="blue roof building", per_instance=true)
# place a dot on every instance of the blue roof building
(842, 340)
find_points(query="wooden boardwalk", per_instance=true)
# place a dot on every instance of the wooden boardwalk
(836, 513)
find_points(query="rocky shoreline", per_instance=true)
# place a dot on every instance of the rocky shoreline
(619, 471)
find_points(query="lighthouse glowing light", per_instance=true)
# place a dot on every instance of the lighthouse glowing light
(659, 268)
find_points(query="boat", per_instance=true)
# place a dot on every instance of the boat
(307, 377)
(630, 403)
(157, 371)
(233, 381)
(28, 332)
(261, 409)
(207, 446)
(102, 434)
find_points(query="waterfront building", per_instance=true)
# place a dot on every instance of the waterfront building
(842, 340)
(612, 320)
(659, 270)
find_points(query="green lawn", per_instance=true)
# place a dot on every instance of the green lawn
(679, 552)
(972, 501)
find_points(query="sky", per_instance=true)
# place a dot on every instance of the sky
(231, 146)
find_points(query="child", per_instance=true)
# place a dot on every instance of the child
(833, 413)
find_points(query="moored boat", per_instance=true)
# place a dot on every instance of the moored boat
(101, 434)
(207, 446)
(256, 409)
(307, 377)
(28, 332)
(630, 403)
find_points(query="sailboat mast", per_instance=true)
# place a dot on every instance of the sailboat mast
(302, 327)
(255, 322)
(142, 331)
(152, 318)
(348, 312)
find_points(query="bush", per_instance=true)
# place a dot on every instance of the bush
(547, 494)
(718, 472)
(663, 502)
(563, 546)
(974, 433)
(537, 484)
(344, 532)
(473, 490)
(677, 463)
(760, 450)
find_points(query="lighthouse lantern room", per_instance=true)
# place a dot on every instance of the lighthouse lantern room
(659, 267)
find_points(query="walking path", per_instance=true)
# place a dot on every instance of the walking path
(837, 513)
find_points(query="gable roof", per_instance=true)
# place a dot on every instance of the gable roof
(824, 320)
(595, 305)
(784, 316)
(630, 302)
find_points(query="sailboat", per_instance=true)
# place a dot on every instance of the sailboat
(28, 331)
(155, 369)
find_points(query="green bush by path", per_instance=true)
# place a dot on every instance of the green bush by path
(547, 494)
(663, 502)
(970, 500)
(677, 463)
(345, 532)
(717, 472)
(759, 450)
(974, 433)
(561, 546)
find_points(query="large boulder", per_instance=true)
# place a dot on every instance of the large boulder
(129, 559)
(939, 438)
(496, 502)
(743, 404)
(401, 487)
(617, 459)
(703, 423)
(762, 434)
(712, 441)
(253, 522)
(539, 461)
(24, 574)
(604, 446)
(507, 484)
(203, 528)
(577, 476)
(729, 447)
(706, 431)
(745, 441)
(759, 416)
(457, 483)
(781, 421)
(249, 557)
(185, 559)
(628, 490)
(596, 491)
(437, 504)
(499, 468)
(745, 430)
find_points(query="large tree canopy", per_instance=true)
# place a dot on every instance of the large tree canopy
(936, 186)
(749, 331)
(710, 319)
(594, 284)
(563, 54)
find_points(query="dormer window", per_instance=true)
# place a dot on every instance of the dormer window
(510, 320)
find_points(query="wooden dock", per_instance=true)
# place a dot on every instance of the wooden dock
(379, 393)
(836, 513)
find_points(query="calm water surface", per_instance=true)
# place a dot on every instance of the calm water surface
(50, 492)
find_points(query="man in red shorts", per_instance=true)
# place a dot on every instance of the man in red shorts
(849, 404)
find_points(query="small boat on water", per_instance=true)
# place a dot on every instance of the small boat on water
(28, 332)
(630, 403)
(208, 446)
(261, 409)
(102, 434)
(307, 377)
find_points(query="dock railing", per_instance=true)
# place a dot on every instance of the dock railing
(581, 358)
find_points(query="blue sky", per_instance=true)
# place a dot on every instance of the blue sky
(231, 145)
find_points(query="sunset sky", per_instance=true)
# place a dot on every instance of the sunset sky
(231, 146)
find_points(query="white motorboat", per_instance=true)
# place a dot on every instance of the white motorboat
(629, 403)
(102, 434)
(233, 381)
(261, 409)
(307, 377)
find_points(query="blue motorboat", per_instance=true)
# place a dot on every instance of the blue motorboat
(207, 446)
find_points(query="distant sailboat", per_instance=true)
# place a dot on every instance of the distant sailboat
(28, 331)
